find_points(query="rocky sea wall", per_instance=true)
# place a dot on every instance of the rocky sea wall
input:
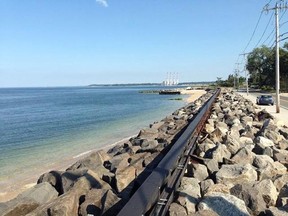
(240, 164)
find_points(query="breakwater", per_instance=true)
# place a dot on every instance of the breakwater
(239, 166)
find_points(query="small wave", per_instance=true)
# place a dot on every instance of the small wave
(121, 141)
(81, 154)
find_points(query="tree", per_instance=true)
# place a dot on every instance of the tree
(261, 67)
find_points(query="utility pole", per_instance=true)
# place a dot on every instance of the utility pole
(277, 60)
(246, 74)
(277, 67)
(236, 78)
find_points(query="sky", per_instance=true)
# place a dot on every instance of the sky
(80, 42)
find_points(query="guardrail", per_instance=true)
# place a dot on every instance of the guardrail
(164, 179)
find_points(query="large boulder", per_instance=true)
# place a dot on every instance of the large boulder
(233, 144)
(68, 204)
(176, 209)
(236, 174)
(124, 177)
(148, 133)
(282, 199)
(54, 178)
(223, 204)
(199, 171)
(268, 191)
(220, 152)
(272, 170)
(29, 200)
(100, 202)
(251, 196)
(189, 194)
(280, 181)
(243, 156)
(92, 162)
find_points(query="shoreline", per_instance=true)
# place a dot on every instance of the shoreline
(18, 187)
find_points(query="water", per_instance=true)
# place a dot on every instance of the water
(43, 127)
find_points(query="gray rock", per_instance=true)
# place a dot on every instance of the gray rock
(221, 152)
(223, 204)
(212, 165)
(205, 146)
(189, 194)
(284, 132)
(246, 140)
(199, 171)
(274, 211)
(280, 155)
(218, 188)
(204, 185)
(262, 161)
(209, 128)
(124, 177)
(247, 120)
(236, 174)
(274, 136)
(243, 156)
(283, 196)
(176, 209)
(152, 144)
(280, 181)
(148, 133)
(233, 144)
(264, 142)
(54, 178)
(117, 161)
(272, 170)
(205, 213)
(91, 162)
(99, 202)
(268, 191)
(263, 114)
(29, 200)
(67, 204)
(92, 204)
(157, 125)
(262, 146)
(283, 144)
(251, 196)
(69, 177)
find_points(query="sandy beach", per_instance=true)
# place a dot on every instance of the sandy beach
(16, 187)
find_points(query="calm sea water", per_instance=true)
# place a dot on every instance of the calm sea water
(40, 127)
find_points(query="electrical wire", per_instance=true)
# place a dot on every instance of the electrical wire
(253, 31)
(264, 31)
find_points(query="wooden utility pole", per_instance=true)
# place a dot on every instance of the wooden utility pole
(277, 67)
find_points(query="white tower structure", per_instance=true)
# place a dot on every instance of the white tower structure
(171, 79)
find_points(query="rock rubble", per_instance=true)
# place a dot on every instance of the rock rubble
(245, 151)
(101, 183)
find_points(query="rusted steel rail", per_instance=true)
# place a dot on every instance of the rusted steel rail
(156, 193)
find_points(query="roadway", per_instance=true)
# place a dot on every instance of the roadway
(256, 93)
(282, 117)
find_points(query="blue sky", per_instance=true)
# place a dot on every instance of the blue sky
(79, 42)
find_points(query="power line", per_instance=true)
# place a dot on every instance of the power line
(264, 30)
(254, 31)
